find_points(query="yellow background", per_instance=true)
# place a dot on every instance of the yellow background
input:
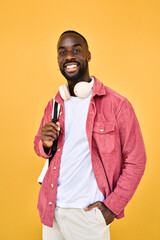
(124, 39)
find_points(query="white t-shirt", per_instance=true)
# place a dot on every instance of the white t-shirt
(77, 187)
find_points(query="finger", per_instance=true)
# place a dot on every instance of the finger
(51, 125)
(49, 136)
(58, 124)
(57, 133)
(55, 125)
(50, 139)
(48, 129)
(93, 205)
(49, 133)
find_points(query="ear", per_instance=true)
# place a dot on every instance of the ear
(89, 56)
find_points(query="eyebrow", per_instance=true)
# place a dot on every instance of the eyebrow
(75, 45)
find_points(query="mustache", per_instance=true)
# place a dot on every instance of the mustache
(71, 61)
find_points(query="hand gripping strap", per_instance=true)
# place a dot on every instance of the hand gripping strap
(54, 119)
(55, 115)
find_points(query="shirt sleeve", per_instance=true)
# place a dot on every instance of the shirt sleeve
(134, 155)
(38, 146)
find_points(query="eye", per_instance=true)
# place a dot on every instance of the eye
(62, 53)
(76, 50)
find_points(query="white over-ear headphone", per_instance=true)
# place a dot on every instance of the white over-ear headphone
(81, 89)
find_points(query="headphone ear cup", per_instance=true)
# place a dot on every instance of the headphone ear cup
(83, 89)
(64, 92)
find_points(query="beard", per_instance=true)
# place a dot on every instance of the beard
(82, 70)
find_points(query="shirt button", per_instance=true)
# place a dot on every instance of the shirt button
(54, 168)
(101, 129)
(51, 185)
(58, 149)
(60, 113)
(50, 203)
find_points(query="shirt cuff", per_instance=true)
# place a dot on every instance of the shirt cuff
(42, 152)
(115, 204)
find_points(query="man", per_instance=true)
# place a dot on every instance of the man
(100, 156)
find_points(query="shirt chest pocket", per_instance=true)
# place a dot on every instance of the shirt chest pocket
(104, 136)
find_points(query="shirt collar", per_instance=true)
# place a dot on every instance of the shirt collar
(98, 88)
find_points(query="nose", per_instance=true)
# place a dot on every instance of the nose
(69, 56)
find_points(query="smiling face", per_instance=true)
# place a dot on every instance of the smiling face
(73, 56)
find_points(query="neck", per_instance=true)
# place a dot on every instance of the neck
(72, 83)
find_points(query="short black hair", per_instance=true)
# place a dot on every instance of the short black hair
(72, 31)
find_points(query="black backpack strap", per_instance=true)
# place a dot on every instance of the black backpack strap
(54, 119)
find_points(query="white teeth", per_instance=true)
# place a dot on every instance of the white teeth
(71, 66)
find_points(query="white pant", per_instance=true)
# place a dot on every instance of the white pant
(77, 224)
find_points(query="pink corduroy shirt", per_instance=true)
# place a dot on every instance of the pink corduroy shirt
(116, 145)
